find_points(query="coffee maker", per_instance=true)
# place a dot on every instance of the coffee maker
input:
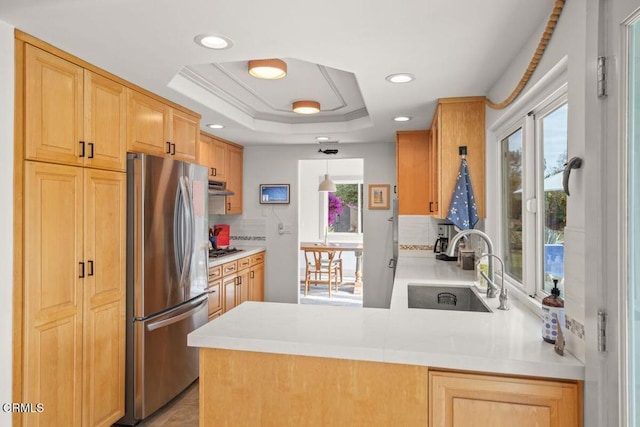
(445, 234)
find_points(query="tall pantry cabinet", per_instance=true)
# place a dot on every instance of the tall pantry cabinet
(70, 169)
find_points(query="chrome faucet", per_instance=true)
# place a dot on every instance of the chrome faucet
(492, 287)
(463, 233)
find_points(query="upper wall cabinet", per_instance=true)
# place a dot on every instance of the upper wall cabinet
(72, 116)
(156, 128)
(457, 122)
(214, 154)
(224, 160)
(413, 172)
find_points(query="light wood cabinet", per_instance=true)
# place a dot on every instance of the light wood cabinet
(215, 298)
(234, 179)
(184, 132)
(460, 399)
(225, 163)
(413, 172)
(74, 327)
(457, 122)
(256, 277)
(72, 115)
(240, 280)
(159, 129)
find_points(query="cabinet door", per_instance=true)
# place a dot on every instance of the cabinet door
(433, 154)
(218, 159)
(53, 108)
(413, 173)
(105, 123)
(229, 292)
(147, 124)
(215, 296)
(184, 134)
(104, 296)
(492, 401)
(242, 290)
(461, 122)
(256, 284)
(234, 180)
(203, 152)
(53, 291)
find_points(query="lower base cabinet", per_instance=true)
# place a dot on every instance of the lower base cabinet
(245, 388)
(461, 399)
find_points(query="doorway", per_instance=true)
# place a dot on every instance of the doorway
(336, 219)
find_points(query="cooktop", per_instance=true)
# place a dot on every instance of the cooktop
(217, 253)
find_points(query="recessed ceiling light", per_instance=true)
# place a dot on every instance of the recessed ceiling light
(322, 138)
(306, 107)
(213, 41)
(402, 118)
(400, 78)
(270, 69)
(215, 126)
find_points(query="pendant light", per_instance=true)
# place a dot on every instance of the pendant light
(327, 185)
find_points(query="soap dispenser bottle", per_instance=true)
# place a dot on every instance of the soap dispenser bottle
(552, 314)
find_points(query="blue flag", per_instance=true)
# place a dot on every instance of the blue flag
(463, 212)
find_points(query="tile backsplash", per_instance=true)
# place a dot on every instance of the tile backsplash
(244, 231)
(417, 230)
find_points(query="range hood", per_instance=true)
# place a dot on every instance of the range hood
(218, 188)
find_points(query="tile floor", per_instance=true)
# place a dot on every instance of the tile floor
(180, 412)
(319, 295)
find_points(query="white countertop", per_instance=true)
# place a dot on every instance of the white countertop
(507, 342)
(246, 251)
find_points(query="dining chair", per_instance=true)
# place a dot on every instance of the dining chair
(318, 265)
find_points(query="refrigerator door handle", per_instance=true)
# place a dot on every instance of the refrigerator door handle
(190, 226)
(181, 315)
(182, 245)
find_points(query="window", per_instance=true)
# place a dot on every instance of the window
(344, 208)
(534, 205)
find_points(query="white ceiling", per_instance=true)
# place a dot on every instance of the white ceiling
(453, 47)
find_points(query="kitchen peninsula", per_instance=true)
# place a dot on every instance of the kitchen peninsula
(292, 364)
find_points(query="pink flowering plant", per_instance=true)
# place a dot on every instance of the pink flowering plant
(335, 208)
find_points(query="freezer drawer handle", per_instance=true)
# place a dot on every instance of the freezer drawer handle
(170, 321)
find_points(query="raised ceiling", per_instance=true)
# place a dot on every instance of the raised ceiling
(338, 52)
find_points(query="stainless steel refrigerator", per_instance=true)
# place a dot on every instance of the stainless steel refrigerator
(167, 255)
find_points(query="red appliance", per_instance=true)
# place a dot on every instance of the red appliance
(222, 235)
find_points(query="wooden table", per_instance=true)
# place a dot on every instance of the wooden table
(357, 248)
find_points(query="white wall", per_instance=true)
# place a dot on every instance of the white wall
(567, 44)
(6, 213)
(279, 165)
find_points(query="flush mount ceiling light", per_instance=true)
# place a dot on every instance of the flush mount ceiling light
(213, 41)
(402, 118)
(270, 69)
(322, 138)
(215, 126)
(306, 107)
(400, 78)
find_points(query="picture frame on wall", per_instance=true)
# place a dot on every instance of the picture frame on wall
(274, 194)
(379, 196)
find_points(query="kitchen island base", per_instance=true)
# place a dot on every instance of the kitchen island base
(251, 388)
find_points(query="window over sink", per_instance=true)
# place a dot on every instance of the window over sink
(534, 205)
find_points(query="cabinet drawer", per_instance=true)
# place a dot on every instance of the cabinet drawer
(244, 263)
(215, 296)
(257, 258)
(229, 268)
(215, 272)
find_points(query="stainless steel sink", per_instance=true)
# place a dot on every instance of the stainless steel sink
(458, 298)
